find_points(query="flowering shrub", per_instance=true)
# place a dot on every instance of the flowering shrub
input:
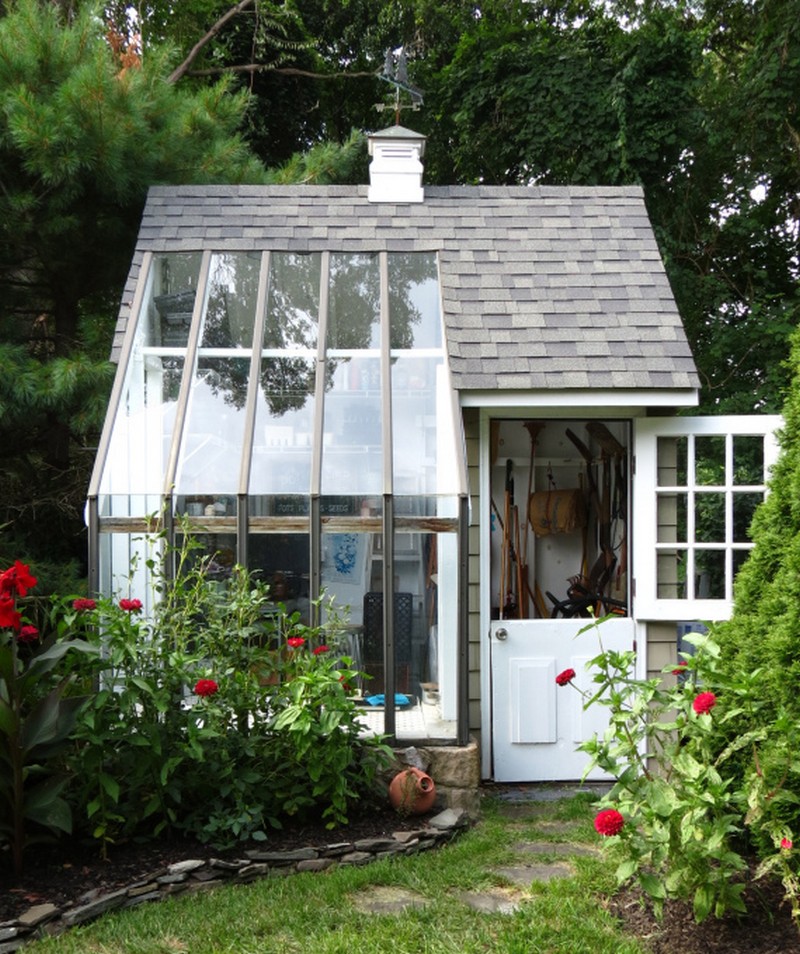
(36, 718)
(220, 716)
(683, 810)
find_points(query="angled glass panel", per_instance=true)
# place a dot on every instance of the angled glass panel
(414, 303)
(284, 427)
(293, 302)
(133, 475)
(231, 307)
(354, 305)
(352, 438)
(211, 449)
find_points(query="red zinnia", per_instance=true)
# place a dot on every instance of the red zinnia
(786, 844)
(704, 703)
(28, 634)
(321, 649)
(17, 579)
(206, 687)
(295, 642)
(83, 604)
(9, 617)
(609, 822)
(130, 606)
(565, 677)
(679, 669)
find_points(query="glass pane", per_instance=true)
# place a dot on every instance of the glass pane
(709, 517)
(293, 301)
(671, 461)
(142, 432)
(280, 505)
(709, 460)
(284, 427)
(672, 510)
(414, 426)
(123, 564)
(671, 574)
(414, 310)
(232, 293)
(282, 560)
(168, 308)
(709, 575)
(217, 550)
(354, 304)
(346, 564)
(748, 459)
(211, 449)
(744, 507)
(352, 439)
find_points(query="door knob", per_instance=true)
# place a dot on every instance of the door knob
(501, 634)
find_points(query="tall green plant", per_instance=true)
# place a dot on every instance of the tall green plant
(36, 719)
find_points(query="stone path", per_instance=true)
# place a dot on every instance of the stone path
(532, 862)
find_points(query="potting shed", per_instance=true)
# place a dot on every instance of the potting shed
(454, 409)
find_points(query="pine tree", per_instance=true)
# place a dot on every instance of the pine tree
(86, 127)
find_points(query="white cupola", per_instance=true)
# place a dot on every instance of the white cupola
(395, 173)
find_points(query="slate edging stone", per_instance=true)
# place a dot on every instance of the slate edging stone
(193, 875)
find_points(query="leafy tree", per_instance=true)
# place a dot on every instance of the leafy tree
(84, 131)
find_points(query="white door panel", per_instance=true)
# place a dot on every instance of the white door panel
(537, 723)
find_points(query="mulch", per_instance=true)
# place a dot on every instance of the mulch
(63, 875)
(767, 928)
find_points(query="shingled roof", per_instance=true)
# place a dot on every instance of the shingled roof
(542, 287)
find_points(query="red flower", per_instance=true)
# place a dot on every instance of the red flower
(786, 844)
(565, 677)
(130, 606)
(83, 604)
(680, 669)
(17, 579)
(295, 642)
(321, 649)
(345, 684)
(28, 634)
(609, 822)
(9, 617)
(206, 687)
(705, 702)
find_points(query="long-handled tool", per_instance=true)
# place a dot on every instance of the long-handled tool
(533, 428)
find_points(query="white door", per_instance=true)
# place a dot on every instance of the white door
(537, 724)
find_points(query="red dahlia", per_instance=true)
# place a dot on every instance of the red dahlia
(206, 687)
(609, 822)
(704, 703)
(565, 677)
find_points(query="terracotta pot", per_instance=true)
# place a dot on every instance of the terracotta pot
(412, 792)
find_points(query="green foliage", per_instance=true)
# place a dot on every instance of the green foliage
(36, 718)
(82, 137)
(691, 812)
(215, 717)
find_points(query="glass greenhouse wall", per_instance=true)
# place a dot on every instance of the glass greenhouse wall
(294, 412)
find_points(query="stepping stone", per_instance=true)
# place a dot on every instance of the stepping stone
(557, 827)
(492, 900)
(554, 848)
(525, 875)
(387, 899)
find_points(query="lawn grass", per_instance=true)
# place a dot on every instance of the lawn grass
(316, 912)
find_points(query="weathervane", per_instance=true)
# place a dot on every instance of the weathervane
(395, 72)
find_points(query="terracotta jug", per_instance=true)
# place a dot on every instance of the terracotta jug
(412, 792)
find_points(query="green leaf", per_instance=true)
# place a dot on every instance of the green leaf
(703, 902)
(652, 885)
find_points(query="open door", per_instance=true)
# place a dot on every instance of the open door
(560, 517)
